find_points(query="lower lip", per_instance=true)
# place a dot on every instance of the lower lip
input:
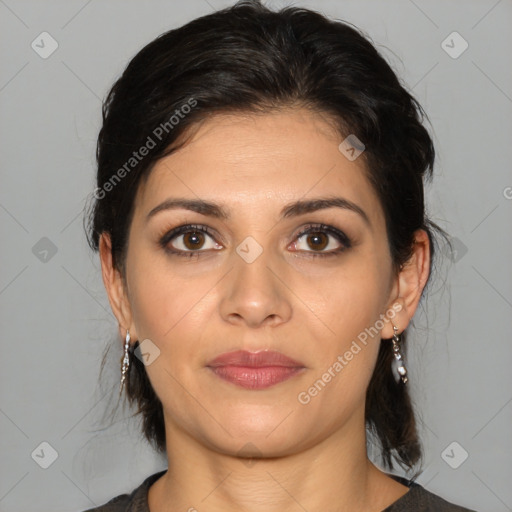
(255, 378)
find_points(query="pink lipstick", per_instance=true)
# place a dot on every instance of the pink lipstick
(255, 370)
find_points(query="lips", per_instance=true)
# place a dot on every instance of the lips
(263, 358)
(255, 370)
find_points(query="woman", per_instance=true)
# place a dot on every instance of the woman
(261, 226)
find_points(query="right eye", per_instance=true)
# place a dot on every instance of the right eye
(193, 239)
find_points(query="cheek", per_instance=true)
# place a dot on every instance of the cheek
(161, 298)
(349, 302)
(149, 302)
(350, 298)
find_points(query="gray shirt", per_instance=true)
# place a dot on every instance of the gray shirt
(417, 499)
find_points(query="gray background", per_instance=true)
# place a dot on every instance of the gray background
(54, 313)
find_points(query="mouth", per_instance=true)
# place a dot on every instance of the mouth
(255, 370)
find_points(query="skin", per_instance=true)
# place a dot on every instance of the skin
(307, 455)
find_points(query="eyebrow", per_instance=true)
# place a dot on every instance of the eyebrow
(294, 209)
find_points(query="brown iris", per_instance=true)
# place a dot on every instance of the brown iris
(196, 237)
(315, 237)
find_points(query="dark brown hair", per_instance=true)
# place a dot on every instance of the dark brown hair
(248, 58)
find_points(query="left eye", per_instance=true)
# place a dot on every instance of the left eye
(317, 237)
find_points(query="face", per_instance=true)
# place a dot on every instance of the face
(306, 282)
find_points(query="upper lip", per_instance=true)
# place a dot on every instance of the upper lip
(258, 359)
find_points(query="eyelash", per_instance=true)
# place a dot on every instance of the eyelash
(310, 228)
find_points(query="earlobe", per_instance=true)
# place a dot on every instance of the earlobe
(411, 281)
(395, 315)
(114, 287)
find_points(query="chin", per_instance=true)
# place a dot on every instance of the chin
(264, 434)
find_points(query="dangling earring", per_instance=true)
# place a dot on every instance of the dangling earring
(398, 356)
(125, 360)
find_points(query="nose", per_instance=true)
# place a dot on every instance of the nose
(254, 293)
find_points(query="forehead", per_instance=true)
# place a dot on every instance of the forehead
(250, 161)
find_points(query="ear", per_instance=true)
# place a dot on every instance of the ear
(115, 288)
(408, 286)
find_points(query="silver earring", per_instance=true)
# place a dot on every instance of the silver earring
(398, 356)
(125, 361)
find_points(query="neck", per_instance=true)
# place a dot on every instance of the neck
(332, 474)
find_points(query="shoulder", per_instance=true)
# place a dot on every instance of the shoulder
(419, 499)
(136, 501)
